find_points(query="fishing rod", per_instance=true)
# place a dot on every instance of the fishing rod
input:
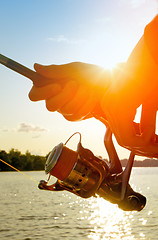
(81, 172)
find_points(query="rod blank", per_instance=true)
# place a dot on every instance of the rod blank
(35, 77)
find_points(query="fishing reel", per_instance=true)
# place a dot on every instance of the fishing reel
(82, 173)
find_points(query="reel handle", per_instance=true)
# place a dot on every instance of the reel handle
(126, 175)
(43, 185)
(115, 164)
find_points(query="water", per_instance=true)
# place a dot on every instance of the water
(29, 213)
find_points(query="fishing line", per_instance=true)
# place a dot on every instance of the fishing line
(32, 179)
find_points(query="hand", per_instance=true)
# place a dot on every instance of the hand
(139, 138)
(75, 90)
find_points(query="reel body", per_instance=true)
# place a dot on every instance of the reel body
(79, 172)
(82, 173)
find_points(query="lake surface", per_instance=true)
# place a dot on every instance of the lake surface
(29, 213)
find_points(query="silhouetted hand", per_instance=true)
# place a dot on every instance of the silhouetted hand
(75, 90)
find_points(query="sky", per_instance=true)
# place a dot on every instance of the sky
(100, 32)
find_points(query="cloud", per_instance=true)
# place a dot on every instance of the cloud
(27, 128)
(5, 130)
(138, 3)
(63, 39)
(103, 20)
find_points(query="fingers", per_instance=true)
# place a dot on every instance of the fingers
(46, 92)
(121, 116)
(73, 103)
(56, 102)
(125, 133)
(79, 100)
(58, 72)
(81, 105)
(148, 122)
(141, 145)
(60, 75)
(144, 144)
(51, 71)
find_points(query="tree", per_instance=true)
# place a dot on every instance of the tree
(4, 156)
(23, 162)
(14, 156)
(38, 163)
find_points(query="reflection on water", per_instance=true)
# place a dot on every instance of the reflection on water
(107, 220)
(29, 213)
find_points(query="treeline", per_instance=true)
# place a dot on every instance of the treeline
(29, 162)
(149, 162)
(23, 162)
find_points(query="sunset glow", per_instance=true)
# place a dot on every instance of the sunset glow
(56, 32)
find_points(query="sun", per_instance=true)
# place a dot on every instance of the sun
(112, 61)
(112, 54)
(111, 65)
(108, 64)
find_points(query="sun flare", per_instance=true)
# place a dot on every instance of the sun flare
(109, 65)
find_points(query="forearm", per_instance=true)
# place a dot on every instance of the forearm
(139, 77)
(151, 38)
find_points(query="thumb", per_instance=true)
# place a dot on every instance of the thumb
(39, 68)
(50, 71)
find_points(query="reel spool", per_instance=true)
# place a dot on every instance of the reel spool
(78, 171)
